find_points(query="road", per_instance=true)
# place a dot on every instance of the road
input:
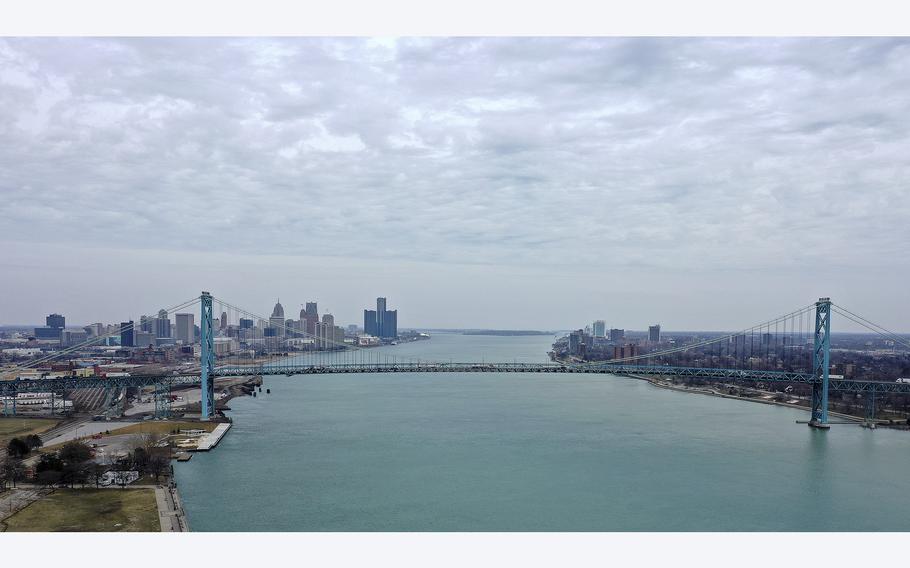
(82, 429)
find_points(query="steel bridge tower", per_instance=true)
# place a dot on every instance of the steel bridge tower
(821, 363)
(207, 356)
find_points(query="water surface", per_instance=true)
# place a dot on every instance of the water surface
(533, 452)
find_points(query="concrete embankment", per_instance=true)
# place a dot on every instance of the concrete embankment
(210, 440)
(170, 509)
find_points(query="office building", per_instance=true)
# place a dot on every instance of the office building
(185, 328)
(70, 337)
(578, 343)
(48, 332)
(246, 323)
(127, 334)
(625, 351)
(328, 335)
(381, 322)
(143, 339)
(53, 329)
(617, 334)
(162, 324)
(310, 316)
(94, 330)
(370, 326)
(654, 333)
(600, 328)
(224, 321)
(277, 320)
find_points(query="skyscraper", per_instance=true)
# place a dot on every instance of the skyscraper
(55, 320)
(617, 334)
(185, 328)
(224, 321)
(127, 334)
(310, 317)
(162, 324)
(600, 328)
(654, 333)
(369, 323)
(382, 322)
(276, 322)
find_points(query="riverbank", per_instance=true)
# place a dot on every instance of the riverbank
(794, 403)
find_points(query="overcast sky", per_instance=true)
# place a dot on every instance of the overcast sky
(511, 183)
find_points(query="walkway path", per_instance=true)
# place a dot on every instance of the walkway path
(18, 498)
(170, 510)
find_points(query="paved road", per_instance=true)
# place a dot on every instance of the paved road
(86, 429)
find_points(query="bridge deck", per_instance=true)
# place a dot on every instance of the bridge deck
(70, 383)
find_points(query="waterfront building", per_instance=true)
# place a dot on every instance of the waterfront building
(654, 333)
(382, 322)
(576, 341)
(185, 328)
(127, 334)
(329, 335)
(370, 326)
(600, 328)
(617, 334)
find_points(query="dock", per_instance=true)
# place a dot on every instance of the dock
(210, 440)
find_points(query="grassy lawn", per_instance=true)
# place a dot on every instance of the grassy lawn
(89, 510)
(164, 427)
(13, 427)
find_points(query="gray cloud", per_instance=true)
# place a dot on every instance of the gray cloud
(696, 162)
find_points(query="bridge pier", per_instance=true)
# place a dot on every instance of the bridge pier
(870, 407)
(207, 356)
(162, 400)
(821, 363)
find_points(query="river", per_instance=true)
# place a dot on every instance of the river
(533, 452)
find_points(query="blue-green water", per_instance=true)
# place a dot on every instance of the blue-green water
(524, 452)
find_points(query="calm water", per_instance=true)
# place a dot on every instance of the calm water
(522, 452)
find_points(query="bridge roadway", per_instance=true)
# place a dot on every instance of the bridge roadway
(193, 377)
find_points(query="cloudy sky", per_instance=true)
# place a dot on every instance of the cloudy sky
(533, 183)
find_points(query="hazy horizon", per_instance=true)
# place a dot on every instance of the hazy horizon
(509, 183)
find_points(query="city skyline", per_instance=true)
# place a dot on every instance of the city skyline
(700, 181)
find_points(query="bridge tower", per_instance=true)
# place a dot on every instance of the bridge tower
(821, 363)
(207, 356)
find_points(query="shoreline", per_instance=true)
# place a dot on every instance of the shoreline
(859, 421)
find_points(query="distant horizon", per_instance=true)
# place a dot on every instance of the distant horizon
(542, 331)
(524, 182)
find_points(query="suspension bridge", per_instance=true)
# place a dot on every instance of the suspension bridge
(794, 349)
